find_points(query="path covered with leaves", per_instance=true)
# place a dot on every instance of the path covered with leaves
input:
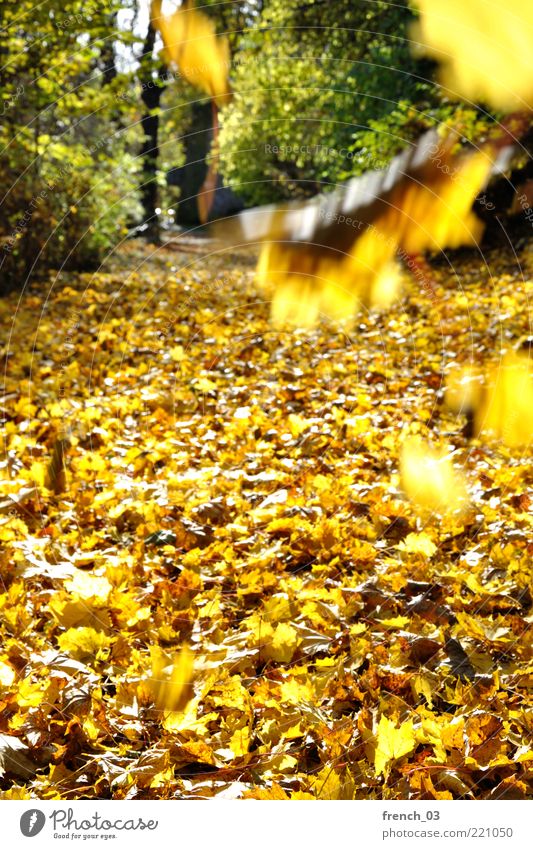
(234, 489)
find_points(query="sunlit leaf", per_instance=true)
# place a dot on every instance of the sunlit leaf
(393, 742)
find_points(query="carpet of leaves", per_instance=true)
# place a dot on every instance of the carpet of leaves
(235, 489)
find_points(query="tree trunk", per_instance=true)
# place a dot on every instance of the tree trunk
(151, 96)
(192, 174)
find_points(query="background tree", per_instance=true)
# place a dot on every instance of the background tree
(151, 76)
(67, 157)
(231, 20)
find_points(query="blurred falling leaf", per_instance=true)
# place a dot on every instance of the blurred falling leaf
(191, 43)
(483, 48)
(56, 475)
(333, 253)
(499, 401)
(507, 410)
(172, 685)
(429, 479)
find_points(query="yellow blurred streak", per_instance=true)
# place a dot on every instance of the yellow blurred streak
(438, 214)
(307, 286)
(465, 388)
(432, 212)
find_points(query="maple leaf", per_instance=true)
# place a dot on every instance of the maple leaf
(418, 544)
(283, 644)
(84, 643)
(392, 743)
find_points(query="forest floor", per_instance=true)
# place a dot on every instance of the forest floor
(234, 489)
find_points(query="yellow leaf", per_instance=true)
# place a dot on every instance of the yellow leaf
(392, 743)
(12, 528)
(7, 674)
(295, 692)
(284, 642)
(177, 353)
(422, 686)
(203, 384)
(38, 473)
(88, 586)
(321, 483)
(294, 732)
(260, 630)
(72, 614)
(274, 793)
(240, 741)
(277, 608)
(418, 544)
(83, 643)
(331, 784)
(16, 793)
(162, 779)
(395, 622)
(297, 424)
(29, 693)
(91, 462)
(177, 721)
(91, 729)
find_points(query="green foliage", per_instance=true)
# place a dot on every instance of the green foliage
(66, 165)
(325, 91)
(308, 79)
(388, 134)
